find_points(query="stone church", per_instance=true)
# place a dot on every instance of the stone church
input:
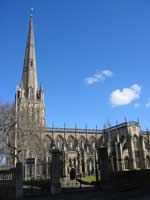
(128, 146)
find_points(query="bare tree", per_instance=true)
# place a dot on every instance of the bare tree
(20, 135)
(7, 130)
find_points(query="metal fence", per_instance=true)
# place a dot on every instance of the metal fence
(11, 187)
(37, 171)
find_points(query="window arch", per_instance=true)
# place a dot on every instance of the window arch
(126, 162)
(93, 142)
(82, 143)
(3, 160)
(101, 140)
(147, 162)
(90, 166)
(48, 143)
(89, 145)
(135, 142)
(60, 143)
(71, 143)
(122, 139)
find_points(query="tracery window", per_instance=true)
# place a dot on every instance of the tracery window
(93, 144)
(83, 143)
(90, 167)
(60, 143)
(147, 162)
(126, 162)
(135, 142)
(71, 144)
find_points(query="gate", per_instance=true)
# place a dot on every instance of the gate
(36, 177)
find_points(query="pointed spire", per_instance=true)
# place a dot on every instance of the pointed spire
(29, 75)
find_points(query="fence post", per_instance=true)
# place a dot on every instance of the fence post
(104, 164)
(55, 172)
(19, 181)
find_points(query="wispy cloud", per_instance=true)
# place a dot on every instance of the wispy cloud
(147, 103)
(136, 105)
(125, 96)
(98, 77)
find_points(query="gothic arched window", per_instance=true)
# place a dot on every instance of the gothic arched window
(92, 143)
(71, 144)
(126, 162)
(48, 143)
(60, 143)
(82, 143)
(90, 167)
(135, 142)
(147, 162)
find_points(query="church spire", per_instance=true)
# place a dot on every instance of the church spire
(29, 75)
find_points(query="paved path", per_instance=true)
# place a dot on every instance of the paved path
(97, 195)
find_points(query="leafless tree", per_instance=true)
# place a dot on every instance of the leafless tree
(20, 134)
(7, 126)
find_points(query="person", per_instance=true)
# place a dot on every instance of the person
(72, 174)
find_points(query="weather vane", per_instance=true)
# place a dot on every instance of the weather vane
(31, 10)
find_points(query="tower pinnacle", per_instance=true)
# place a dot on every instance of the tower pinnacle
(29, 75)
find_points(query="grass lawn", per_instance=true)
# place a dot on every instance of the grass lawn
(89, 178)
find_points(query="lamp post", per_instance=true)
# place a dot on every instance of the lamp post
(16, 116)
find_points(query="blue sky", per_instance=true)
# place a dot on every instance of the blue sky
(93, 58)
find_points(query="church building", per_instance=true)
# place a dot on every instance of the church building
(128, 146)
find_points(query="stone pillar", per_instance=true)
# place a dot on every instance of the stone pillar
(119, 156)
(109, 150)
(95, 157)
(65, 165)
(80, 166)
(35, 168)
(142, 153)
(104, 164)
(19, 181)
(55, 172)
(85, 163)
(65, 161)
(24, 170)
(131, 154)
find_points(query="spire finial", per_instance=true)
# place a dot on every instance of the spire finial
(31, 12)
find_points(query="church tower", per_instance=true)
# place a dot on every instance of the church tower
(30, 98)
